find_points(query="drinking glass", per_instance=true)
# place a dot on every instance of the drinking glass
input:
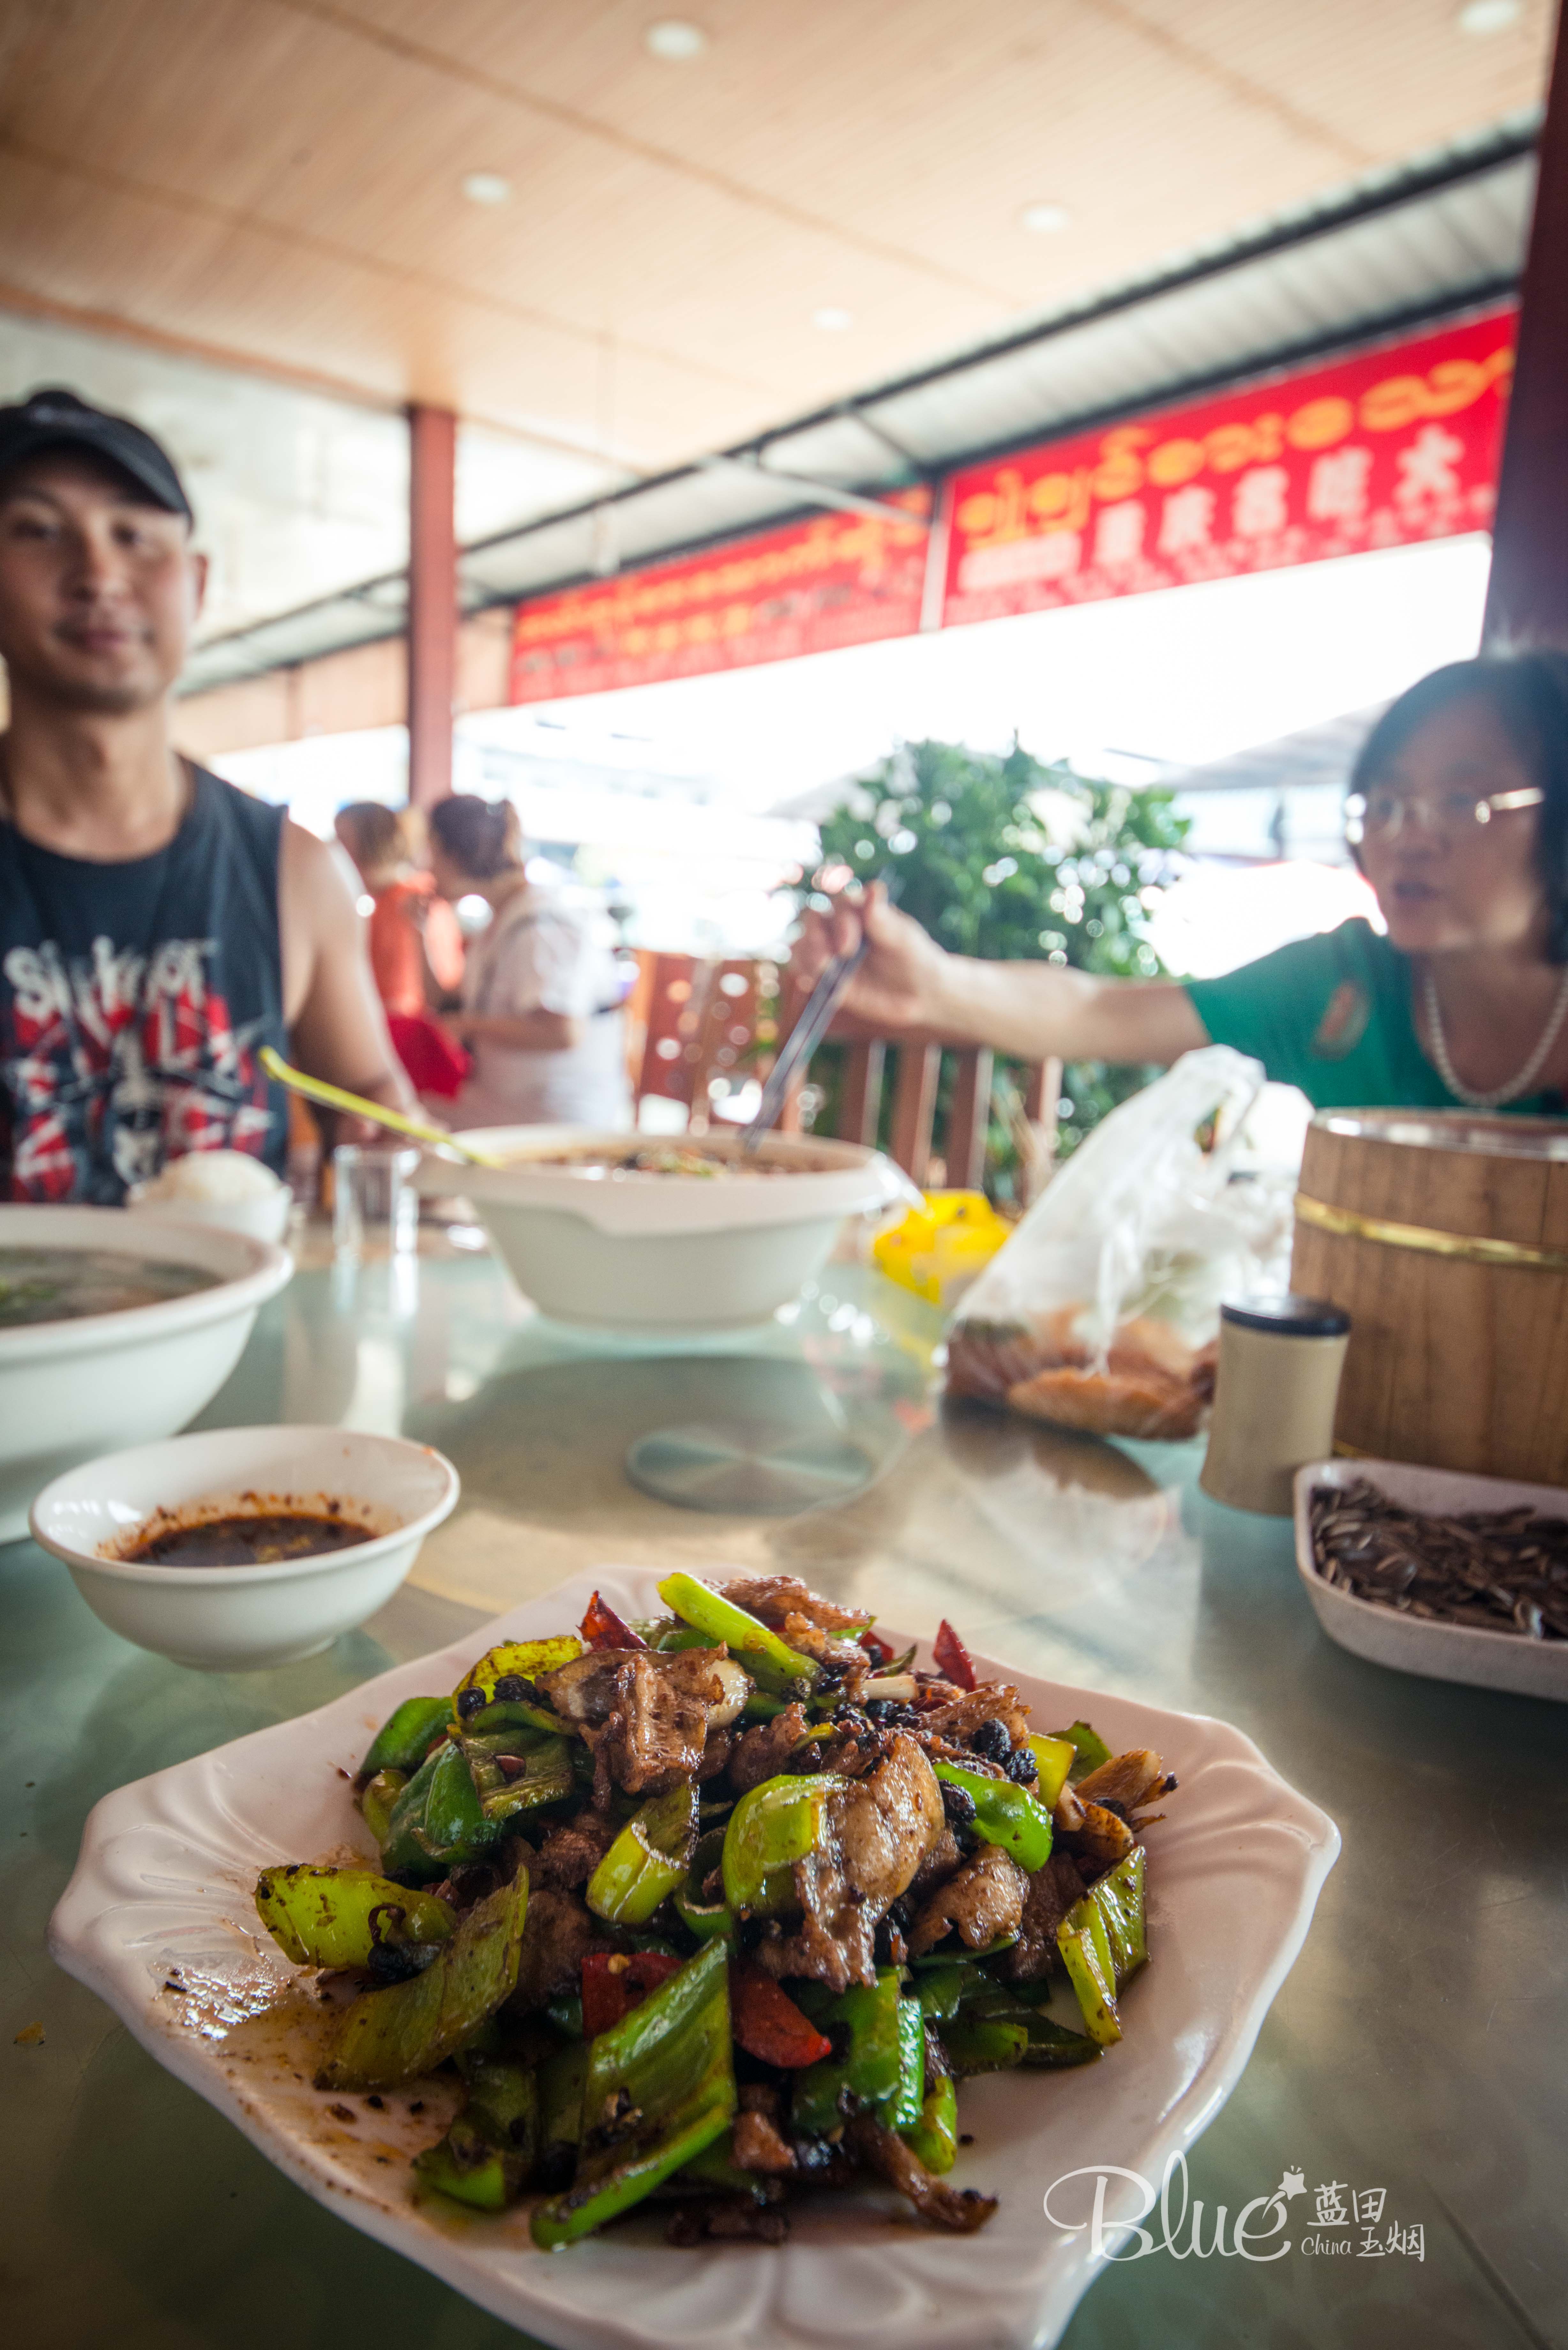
(375, 1207)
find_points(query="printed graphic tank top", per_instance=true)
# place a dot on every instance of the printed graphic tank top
(134, 999)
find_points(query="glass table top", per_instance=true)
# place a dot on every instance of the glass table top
(1420, 2045)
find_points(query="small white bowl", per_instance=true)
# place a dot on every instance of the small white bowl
(262, 1219)
(649, 1253)
(237, 1619)
(1417, 1644)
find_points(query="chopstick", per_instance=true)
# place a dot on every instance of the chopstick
(804, 1039)
(335, 1097)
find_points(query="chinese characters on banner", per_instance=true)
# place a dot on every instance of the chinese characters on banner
(839, 579)
(1380, 451)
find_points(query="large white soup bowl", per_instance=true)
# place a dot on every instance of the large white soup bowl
(68, 1389)
(652, 1254)
(237, 1619)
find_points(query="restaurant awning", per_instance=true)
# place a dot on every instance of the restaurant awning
(1394, 250)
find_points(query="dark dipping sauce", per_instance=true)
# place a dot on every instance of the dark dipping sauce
(250, 1540)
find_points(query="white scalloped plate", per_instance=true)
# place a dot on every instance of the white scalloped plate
(161, 1896)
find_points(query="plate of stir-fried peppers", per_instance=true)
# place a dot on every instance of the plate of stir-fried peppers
(712, 1915)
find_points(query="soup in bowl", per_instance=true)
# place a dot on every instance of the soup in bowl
(112, 1332)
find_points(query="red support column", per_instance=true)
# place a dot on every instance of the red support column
(1527, 602)
(433, 601)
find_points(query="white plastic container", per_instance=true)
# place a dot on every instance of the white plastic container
(1417, 1643)
(665, 1253)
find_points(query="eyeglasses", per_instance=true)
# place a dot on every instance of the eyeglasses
(1380, 815)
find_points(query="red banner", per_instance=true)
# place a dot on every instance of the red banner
(1382, 450)
(841, 579)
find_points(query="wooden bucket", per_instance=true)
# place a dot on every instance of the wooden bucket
(1444, 1233)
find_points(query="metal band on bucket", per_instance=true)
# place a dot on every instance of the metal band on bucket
(1345, 1225)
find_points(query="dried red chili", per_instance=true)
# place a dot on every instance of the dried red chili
(952, 1656)
(601, 1627)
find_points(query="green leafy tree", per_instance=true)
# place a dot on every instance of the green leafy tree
(1014, 860)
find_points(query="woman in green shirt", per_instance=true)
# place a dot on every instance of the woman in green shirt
(1459, 818)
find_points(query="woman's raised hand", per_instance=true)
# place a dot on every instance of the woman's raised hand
(899, 989)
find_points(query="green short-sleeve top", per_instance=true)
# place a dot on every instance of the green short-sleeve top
(1333, 1016)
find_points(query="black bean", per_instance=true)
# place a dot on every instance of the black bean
(880, 1707)
(512, 1687)
(1021, 1765)
(991, 1739)
(469, 1701)
(957, 1804)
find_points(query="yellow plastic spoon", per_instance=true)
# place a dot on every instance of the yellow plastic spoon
(334, 1098)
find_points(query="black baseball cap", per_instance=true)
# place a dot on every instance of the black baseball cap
(56, 418)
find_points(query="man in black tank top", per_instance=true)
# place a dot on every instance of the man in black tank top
(157, 926)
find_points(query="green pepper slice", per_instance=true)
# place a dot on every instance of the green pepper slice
(526, 1658)
(489, 2155)
(1004, 1814)
(715, 2167)
(1103, 1943)
(760, 1707)
(1049, 2046)
(647, 1861)
(1089, 1750)
(341, 1916)
(751, 1641)
(1086, 1953)
(376, 1801)
(515, 1713)
(773, 1826)
(546, 1776)
(984, 2043)
(941, 1991)
(933, 2138)
(660, 2088)
(704, 1918)
(1118, 1897)
(903, 2107)
(403, 1850)
(870, 2071)
(561, 2078)
(402, 1742)
(1054, 1759)
(387, 2036)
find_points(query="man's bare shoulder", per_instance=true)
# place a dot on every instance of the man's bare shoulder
(310, 866)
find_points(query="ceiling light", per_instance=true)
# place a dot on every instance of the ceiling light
(832, 321)
(1044, 220)
(674, 40)
(1488, 15)
(486, 188)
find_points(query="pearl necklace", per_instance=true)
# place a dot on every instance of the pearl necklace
(1515, 1086)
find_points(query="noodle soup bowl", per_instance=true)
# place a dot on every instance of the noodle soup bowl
(77, 1385)
(653, 1254)
(239, 1619)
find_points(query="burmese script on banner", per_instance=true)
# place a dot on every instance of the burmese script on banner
(810, 588)
(1390, 447)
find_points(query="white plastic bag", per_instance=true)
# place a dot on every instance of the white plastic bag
(1102, 1311)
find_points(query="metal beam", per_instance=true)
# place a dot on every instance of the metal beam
(822, 494)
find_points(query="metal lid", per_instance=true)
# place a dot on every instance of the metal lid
(1289, 1316)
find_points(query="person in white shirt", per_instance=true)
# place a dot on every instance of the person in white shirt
(541, 1003)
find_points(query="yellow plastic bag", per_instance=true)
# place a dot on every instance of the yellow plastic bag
(940, 1248)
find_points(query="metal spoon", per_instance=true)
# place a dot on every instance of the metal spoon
(335, 1097)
